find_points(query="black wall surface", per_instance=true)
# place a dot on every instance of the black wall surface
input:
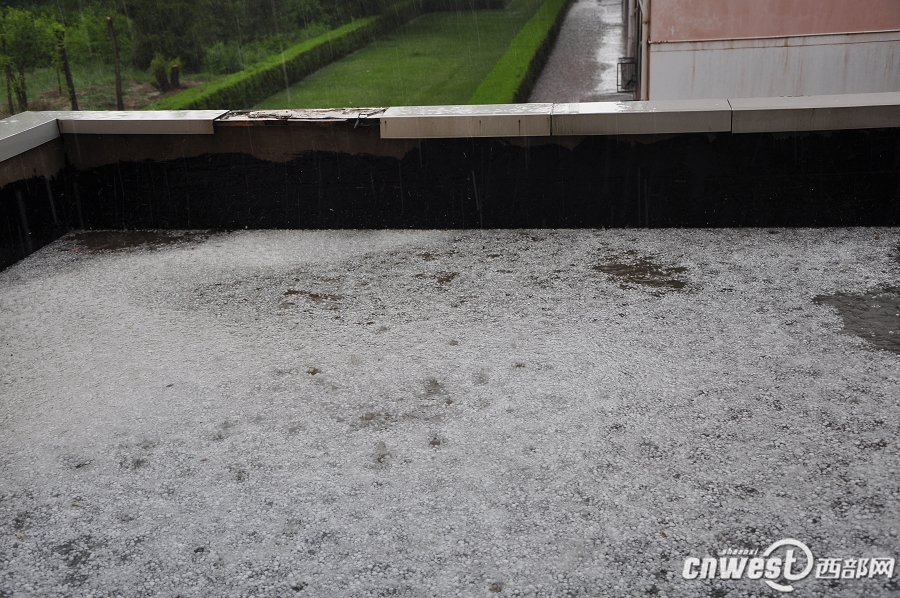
(848, 178)
(34, 213)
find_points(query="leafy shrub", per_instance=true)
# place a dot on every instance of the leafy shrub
(223, 59)
(311, 31)
(262, 49)
(513, 77)
(170, 27)
(159, 70)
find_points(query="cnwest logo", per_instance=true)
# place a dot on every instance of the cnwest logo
(794, 563)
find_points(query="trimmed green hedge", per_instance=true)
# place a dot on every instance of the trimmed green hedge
(255, 83)
(460, 5)
(513, 77)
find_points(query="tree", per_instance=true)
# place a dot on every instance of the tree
(7, 66)
(115, 48)
(87, 36)
(62, 62)
(167, 27)
(30, 44)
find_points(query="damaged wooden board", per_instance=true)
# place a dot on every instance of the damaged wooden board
(247, 118)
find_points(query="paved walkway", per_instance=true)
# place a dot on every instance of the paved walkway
(430, 413)
(582, 66)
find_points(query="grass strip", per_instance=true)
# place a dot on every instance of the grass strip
(513, 77)
(247, 87)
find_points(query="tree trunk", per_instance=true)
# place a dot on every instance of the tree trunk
(161, 80)
(58, 82)
(9, 82)
(64, 60)
(21, 88)
(120, 104)
(173, 75)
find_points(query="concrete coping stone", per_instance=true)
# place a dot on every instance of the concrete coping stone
(642, 118)
(816, 113)
(144, 122)
(26, 131)
(749, 115)
(487, 120)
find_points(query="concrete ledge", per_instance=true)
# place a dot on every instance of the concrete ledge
(641, 118)
(816, 113)
(26, 131)
(494, 120)
(145, 122)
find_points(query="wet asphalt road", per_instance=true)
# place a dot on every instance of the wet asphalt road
(582, 65)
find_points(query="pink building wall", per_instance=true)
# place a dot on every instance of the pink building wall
(695, 20)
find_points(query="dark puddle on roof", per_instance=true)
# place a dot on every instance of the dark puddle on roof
(442, 278)
(874, 316)
(645, 272)
(113, 240)
(325, 300)
(314, 297)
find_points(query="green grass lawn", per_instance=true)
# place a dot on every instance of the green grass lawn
(439, 58)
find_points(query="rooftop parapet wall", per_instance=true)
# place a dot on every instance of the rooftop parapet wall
(652, 164)
(205, 131)
(699, 179)
(699, 20)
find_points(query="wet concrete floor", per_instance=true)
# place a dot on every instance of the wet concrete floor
(440, 413)
(582, 66)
